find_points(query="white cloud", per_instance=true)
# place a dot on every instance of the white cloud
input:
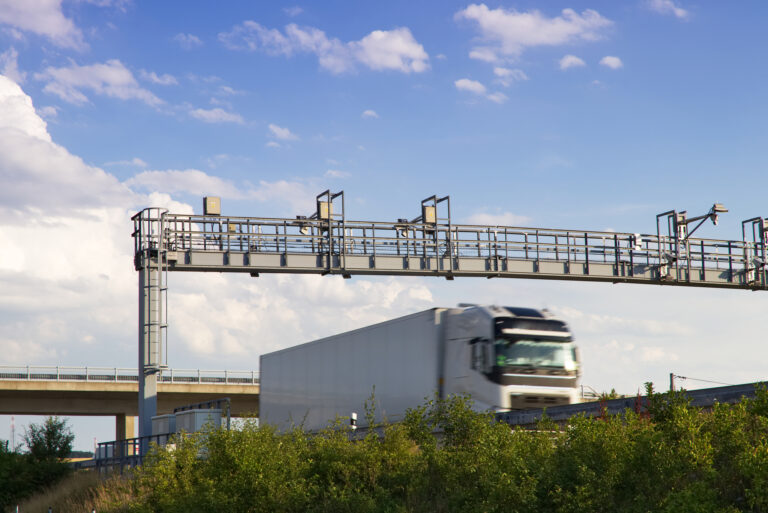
(282, 133)
(164, 79)
(369, 114)
(483, 53)
(391, 50)
(394, 49)
(44, 18)
(508, 76)
(188, 41)
(497, 97)
(110, 79)
(273, 144)
(216, 115)
(477, 88)
(38, 175)
(508, 33)
(668, 7)
(611, 62)
(135, 161)
(473, 86)
(48, 112)
(335, 173)
(72, 309)
(571, 61)
(498, 219)
(120, 5)
(228, 91)
(9, 66)
(191, 181)
(293, 11)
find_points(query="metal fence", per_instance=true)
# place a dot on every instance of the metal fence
(125, 375)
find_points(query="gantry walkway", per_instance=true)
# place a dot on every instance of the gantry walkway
(326, 243)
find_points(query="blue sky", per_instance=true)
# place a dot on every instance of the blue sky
(579, 115)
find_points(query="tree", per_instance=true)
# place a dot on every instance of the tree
(50, 440)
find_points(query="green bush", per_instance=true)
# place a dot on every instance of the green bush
(22, 474)
(444, 457)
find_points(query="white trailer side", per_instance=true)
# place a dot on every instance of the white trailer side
(312, 383)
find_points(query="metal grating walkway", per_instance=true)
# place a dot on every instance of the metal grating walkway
(339, 246)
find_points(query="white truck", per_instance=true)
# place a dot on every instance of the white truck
(505, 358)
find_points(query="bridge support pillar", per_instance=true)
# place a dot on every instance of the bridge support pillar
(125, 426)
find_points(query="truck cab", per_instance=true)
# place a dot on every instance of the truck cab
(510, 358)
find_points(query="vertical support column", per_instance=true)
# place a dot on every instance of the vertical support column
(149, 318)
(124, 426)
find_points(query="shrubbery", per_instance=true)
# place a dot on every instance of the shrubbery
(672, 458)
(22, 474)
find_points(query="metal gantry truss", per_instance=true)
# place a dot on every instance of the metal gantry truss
(326, 242)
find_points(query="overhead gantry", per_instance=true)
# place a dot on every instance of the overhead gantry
(328, 243)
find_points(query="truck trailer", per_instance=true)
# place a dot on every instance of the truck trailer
(504, 358)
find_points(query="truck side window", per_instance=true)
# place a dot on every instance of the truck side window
(480, 355)
(477, 357)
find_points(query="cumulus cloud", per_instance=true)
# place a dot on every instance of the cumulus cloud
(395, 49)
(79, 308)
(668, 7)
(38, 174)
(571, 61)
(9, 66)
(477, 88)
(164, 79)
(110, 79)
(282, 133)
(611, 62)
(188, 41)
(369, 114)
(43, 18)
(508, 33)
(216, 115)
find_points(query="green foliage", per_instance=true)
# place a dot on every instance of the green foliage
(50, 440)
(23, 474)
(445, 457)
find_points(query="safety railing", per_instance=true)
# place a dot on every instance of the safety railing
(356, 238)
(125, 375)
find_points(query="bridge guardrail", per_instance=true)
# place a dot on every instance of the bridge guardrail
(125, 375)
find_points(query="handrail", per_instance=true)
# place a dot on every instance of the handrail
(310, 236)
(125, 375)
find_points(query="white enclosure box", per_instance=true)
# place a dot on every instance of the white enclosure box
(192, 421)
(163, 424)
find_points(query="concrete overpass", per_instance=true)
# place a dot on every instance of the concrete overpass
(114, 392)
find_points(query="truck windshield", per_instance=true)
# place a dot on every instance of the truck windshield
(532, 353)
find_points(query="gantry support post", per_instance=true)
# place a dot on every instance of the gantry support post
(147, 340)
(150, 262)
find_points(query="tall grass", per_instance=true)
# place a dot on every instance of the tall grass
(82, 492)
